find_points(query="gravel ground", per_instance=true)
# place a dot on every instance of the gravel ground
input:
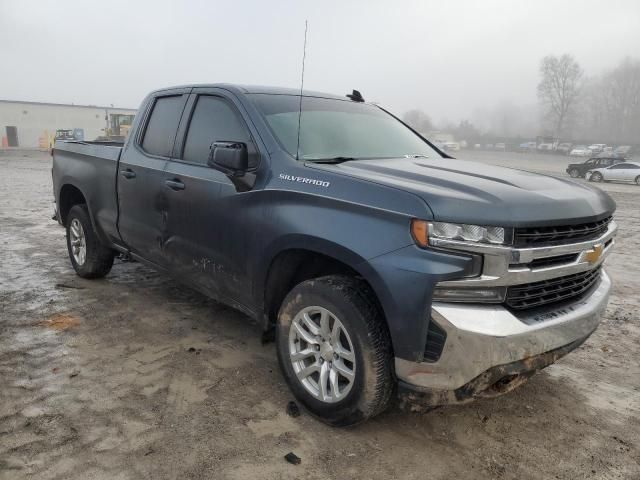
(135, 376)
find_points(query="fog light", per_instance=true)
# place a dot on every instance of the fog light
(480, 295)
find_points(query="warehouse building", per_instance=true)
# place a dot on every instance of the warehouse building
(34, 124)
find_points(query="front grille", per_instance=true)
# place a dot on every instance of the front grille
(531, 295)
(537, 236)
(552, 261)
(436, 338)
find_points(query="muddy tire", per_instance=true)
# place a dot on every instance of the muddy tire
(334, 350)
(595, 177)
(89, 257)
(574, 173)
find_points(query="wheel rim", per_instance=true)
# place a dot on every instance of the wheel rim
(78, 242)
(574, 174)
(322, 354)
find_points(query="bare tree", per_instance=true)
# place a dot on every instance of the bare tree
(418, 120)
(612, 104)
(559, 88)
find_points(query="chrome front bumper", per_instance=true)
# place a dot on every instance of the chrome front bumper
(482, 337)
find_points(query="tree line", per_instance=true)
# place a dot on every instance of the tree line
(574, 106)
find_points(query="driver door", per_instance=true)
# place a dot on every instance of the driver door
(207, 235)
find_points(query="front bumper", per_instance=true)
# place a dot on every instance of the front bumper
(485, 341)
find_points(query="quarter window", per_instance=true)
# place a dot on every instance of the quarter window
(214, 120)
(162, 125)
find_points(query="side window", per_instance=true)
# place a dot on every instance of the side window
(591, 162)
(619, 166)
(214, 119)
(162, 125)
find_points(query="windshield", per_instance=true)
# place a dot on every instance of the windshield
(333, 129)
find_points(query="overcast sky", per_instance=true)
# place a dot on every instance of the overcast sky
(448, 58)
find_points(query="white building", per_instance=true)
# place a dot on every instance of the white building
(34, 124)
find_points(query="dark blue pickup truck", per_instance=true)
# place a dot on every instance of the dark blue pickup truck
(382, 265)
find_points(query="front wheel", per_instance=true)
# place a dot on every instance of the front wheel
(334, 349)
(595, 177)
(574, 173)
(89, 258)
(638, 180)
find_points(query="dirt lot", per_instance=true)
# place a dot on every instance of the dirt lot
(135, 376)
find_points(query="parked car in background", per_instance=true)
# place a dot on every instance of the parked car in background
(477, 146)
(545, 147)
(500, 146)
(564, 148)
(620, 172)
(576, 170)
(597, 147)
(527, 147)
(580, 151)
(622, 150)
(453, 146)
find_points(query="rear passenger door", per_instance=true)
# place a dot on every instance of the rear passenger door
(142, 193)
(204, 211)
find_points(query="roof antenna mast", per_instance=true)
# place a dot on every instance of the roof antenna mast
(304, 56)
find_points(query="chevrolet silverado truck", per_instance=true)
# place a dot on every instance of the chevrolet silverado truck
(381, 266)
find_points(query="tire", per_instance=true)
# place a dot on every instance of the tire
(574, 173)
(638, 180)
(97, 259)
(595, 177)
(350, 303)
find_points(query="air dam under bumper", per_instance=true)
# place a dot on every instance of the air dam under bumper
(489, 350)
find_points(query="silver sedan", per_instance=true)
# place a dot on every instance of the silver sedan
(620, 172)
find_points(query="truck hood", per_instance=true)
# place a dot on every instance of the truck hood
(476, 193)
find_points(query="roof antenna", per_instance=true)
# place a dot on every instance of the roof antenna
(304, 56)
(356, 96)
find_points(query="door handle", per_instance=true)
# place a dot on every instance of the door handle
(128, 173)
(174, 184)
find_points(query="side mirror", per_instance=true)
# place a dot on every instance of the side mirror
(230, 158)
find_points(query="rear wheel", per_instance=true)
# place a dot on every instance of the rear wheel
(595, 177)
(90, 259)
(574, 173)
(334, 349)
(638, 180)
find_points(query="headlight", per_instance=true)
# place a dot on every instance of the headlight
(467, 233)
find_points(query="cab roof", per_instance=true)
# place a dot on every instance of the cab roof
(255, 89)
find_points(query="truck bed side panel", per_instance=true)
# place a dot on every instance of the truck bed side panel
(92, 169)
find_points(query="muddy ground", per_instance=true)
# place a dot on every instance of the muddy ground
(135, 376)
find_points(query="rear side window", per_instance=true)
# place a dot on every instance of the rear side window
(213, 120)
(162, 125)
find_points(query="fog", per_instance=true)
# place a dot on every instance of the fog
(452, 59)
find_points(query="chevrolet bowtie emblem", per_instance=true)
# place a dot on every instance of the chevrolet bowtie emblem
(592, 256)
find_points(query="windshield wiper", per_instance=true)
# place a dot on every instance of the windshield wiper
(333, 160)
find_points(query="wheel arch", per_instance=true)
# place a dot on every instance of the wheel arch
(301, 258)
(69, 196)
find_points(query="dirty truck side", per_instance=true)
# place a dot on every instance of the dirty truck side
(380, 264)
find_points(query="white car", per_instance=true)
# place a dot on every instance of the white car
(597, 147)
(621, 172)
(545, 147)
(455, 146)
(580, 151)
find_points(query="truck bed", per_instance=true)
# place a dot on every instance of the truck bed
(92, 168)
